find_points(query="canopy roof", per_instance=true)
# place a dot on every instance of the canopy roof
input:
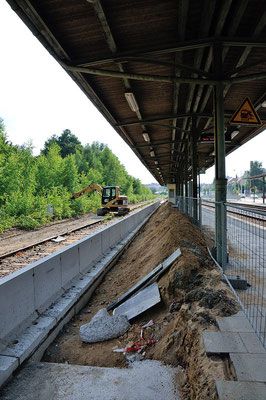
(163, 52)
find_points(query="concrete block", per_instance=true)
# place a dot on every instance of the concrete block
(85, 255)
(30, 339)
(238, 282)
(252, 342)
(96, 246)
(115, 234)
(69, 265)
(125, 227)
(7, 367)
(106, 242)
(37, 355)
(16, 301)
(47, 281)
(223, 342)
(63, 305)
(231, 390)
(249, 367)
(235, 323)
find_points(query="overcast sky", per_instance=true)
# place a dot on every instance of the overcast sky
(38, 99)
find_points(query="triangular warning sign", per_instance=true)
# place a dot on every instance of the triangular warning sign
(245, 114)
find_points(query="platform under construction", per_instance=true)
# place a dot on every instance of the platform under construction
(184, 84)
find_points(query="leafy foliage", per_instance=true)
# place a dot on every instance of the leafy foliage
(29, 184)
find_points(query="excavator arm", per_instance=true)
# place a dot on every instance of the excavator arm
(88, 189)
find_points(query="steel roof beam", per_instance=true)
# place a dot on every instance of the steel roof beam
(181, 67)
(183, 46)
(243, 67)
(155, 144)
(139, 77)
(241, 6)
(165, 118)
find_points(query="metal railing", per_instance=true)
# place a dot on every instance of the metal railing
(246, 239)
(192, 207)
(244, 255)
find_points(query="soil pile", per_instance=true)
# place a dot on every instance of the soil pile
(192, 296)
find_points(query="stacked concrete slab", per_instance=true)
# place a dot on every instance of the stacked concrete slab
(38, 300)
(237, 338)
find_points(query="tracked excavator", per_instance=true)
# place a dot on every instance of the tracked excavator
(111, 199)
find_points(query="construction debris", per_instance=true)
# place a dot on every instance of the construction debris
(103, 327)
(58, 239)
(139, 303)
(155, 274)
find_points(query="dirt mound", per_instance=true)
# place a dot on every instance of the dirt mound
(192, 296)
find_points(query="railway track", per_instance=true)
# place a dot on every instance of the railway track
(244, 210)
(19, 257)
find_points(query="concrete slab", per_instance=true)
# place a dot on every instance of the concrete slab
(235, 323)
(171, 258)
(231, 390)
(249, 367)
(223, 342)
(252, 343)
(146, 380)
(7, 366)
(134, 288)
(139, 303)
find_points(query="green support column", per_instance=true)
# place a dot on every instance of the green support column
(263, 190)
(194, 168)
(186, 176)
(220, 175)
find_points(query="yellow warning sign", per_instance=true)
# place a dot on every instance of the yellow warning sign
(245, 114)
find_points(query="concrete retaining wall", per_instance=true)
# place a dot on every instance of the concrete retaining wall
(27, 293)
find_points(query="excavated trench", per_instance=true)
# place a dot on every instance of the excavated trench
(192, 296)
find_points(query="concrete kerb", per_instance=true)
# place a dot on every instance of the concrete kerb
(80, 281)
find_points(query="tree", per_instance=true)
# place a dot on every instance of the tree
(67, 141)
(256, 169)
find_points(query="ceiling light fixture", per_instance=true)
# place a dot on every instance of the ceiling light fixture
(263, 104)
(233, 134)
(156, 162)
(146, 137)
(152, 154)
(132, 102)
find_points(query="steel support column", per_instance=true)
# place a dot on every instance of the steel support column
(186, 175)
(263, 190)
(194, 168)
(220, 176)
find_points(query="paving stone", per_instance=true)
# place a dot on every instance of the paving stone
(223, 342)
(252, 342)
(235, 323)
(231, 390)
(249, 367)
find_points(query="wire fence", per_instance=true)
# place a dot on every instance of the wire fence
(244, 254)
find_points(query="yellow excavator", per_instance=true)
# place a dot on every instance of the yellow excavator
(111, 199)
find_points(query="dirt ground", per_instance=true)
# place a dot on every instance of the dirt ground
(192, 296)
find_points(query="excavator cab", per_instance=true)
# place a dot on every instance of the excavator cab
(109, 194)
